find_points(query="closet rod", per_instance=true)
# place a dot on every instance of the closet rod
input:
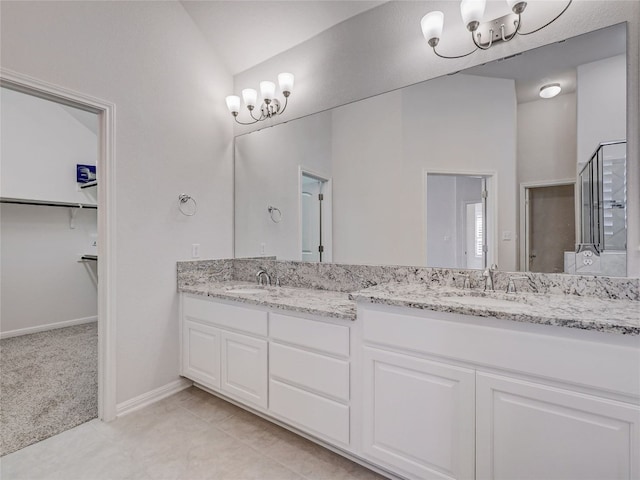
(18, 201)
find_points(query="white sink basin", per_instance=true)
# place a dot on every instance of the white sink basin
(481, 301)
(247, 290)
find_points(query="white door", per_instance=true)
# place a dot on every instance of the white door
(244, 368)
(418, 416)
(532, 431)
(201, 353)
(311, 219)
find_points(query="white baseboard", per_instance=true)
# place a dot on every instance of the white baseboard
(49, 326)
(153, 396)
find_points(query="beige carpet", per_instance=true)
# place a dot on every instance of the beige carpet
(48, 384)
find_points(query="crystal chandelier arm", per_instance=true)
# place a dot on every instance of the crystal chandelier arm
(548, 23)
(456, 56)
(478, 44)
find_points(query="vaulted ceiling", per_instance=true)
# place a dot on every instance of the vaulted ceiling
(246, 33)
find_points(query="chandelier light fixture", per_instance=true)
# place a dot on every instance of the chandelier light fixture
(270, 106)
(483, 35)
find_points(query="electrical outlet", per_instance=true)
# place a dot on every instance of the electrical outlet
(195, 250)
(263, 246)
(506, 235)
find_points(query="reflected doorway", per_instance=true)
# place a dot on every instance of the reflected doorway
(458, 220)
(315, 217)
(550, 226)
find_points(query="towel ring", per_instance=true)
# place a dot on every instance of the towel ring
(275, 217)
(183, 200)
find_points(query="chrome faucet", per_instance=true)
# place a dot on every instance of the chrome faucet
(488, 274)
(511, 286)
(466, 284)
(263, 278)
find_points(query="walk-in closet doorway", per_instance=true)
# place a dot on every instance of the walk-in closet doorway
(104, 254)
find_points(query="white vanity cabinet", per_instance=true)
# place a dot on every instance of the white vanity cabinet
(224, 347)
(532, 430)
(201, 352)
(309, 376)
(455, 396)
(418, 415)
(294, 369)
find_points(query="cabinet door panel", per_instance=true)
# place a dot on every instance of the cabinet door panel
(201, 353)
(418, 415)
(532, 431)
(244, 368)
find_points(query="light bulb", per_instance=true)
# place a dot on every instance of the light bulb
(517, 6)
(267, 90)
(250, 97)
(432, 24)
(550, 91)
(233, 104)
(472, 12)
(285, 80)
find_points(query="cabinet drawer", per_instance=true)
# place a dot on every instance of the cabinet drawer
(309, 370)
(309, 412)
(228, 316)
(316, 335)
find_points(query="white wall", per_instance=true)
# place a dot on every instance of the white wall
(601, 100)
(41, 145)
(42, 280)
(173, 136)
(443, 226)
(377, 164)
(547, 139)
(383, 49)
(428, 126)
(267, 173)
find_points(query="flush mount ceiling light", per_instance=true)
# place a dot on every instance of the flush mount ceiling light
(483, 35)
(270, 106)
(550, 91)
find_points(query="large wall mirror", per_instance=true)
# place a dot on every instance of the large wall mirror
(461, 171)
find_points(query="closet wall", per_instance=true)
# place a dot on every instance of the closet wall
(43, 282)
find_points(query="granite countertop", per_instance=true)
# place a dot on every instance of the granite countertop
(588, 313)
(304, 300)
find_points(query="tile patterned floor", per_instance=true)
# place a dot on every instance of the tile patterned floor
(191, 435)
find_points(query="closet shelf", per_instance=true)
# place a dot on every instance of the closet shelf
(20, 201)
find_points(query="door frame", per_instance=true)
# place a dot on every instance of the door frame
(525, 215)
(106, 221)
(491, 177)
(327, 212)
